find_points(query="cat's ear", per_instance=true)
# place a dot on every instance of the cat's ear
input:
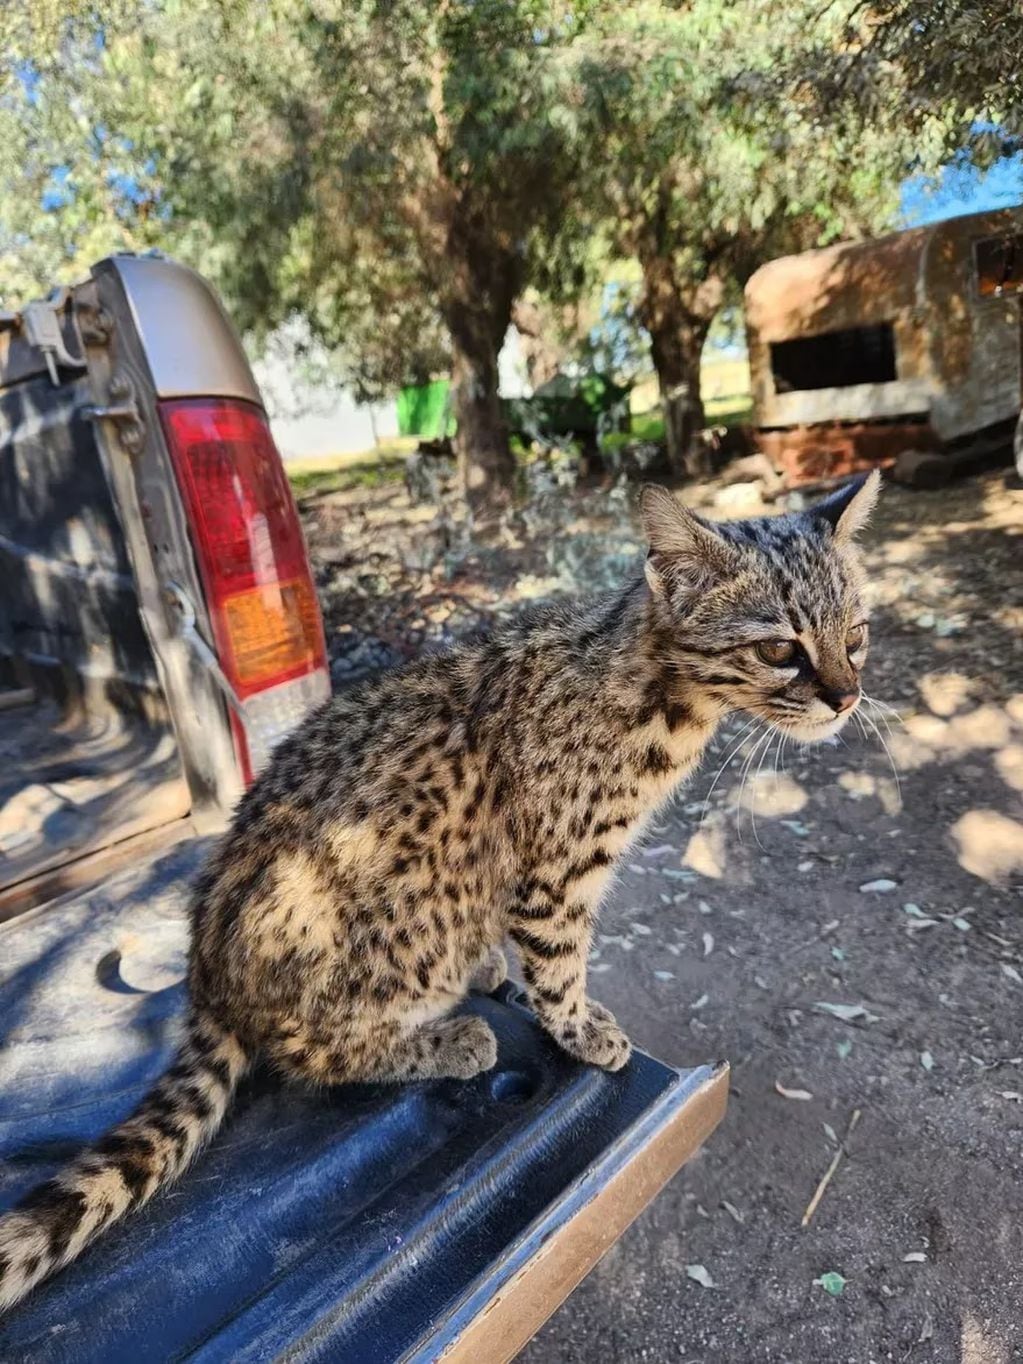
(848, 510)
(683, 548)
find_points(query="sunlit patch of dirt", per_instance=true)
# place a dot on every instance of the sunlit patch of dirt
(990, 844)
(945, 693)
(771, 795)
(705, 851)
(862, 784)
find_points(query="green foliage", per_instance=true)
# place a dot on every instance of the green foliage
(712, 157)
(648, 427)
(954, 66)
(386, 170)
(375, 471)
(565, 406)
(730, 410)
(313, 158)
(616, 343)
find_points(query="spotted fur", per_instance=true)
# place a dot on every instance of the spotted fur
(413, 824)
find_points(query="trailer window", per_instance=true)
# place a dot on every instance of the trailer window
(856, 355)
(999, 263)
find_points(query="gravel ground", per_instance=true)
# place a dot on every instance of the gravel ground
(886, 884)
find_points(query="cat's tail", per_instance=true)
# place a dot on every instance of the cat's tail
(54, 1224)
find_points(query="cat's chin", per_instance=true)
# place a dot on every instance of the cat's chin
(815, 731)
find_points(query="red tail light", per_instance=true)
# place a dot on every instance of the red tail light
(248, 542)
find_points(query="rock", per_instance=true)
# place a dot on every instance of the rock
(738, 495)
(748, 468)
(922, 469)
(882, 886)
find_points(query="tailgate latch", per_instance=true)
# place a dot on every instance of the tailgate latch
(40, 322)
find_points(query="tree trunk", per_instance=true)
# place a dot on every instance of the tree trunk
(476, 270)
(677, 312)
(543, 356)
(477, 309)
(676, 347)
(486, 465)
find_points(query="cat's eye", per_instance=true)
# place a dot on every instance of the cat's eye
(856, 638)
(778, 652)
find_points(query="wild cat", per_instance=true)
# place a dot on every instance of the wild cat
(411, 825)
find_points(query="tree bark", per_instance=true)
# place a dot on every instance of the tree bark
(475, 272)
(543, 356)
(477, 309)
(677, 313)
(485, 462)
(676, 348)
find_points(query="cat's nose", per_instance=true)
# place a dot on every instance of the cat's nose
(840, 701)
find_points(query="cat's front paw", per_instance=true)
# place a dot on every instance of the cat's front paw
(598, 1040)
(463, 1047)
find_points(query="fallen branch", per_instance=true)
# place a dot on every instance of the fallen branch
(829, 1174)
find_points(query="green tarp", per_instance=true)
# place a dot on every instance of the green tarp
(425, 410)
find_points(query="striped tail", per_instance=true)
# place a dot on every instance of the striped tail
(54, 1224)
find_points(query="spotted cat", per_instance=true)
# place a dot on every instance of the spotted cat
(412, 825)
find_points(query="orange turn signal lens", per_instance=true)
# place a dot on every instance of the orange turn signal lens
(273, 629)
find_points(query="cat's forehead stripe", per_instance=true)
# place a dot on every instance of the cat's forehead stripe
(794, 559)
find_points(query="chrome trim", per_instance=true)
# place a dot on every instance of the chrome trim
(188, 340)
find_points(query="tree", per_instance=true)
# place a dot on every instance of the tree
(958, 65)
(366, 165)
(714, 163)
(461, 140)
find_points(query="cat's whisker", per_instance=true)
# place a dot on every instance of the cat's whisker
(756, 780)
(885, 713)
(744, 738)
(888, 754)
(743, 735)
(779, 754)
(861, 721)
(742, 782)
(737, 739)
(883, 705)
(745, 775)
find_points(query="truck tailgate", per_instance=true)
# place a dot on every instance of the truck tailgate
(365, 1224)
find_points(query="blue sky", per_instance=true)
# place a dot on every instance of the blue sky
(962, 188)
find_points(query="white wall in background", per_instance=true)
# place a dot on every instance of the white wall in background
(337, 427)
(309, 414)
(311, 418)
(511, 367)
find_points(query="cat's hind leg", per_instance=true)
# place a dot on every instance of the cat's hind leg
(491, 972)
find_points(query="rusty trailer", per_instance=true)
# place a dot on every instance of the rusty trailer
(905, 349)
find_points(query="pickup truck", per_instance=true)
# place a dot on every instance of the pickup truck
(159, 633)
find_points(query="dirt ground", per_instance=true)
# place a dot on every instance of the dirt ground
(888, 884)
